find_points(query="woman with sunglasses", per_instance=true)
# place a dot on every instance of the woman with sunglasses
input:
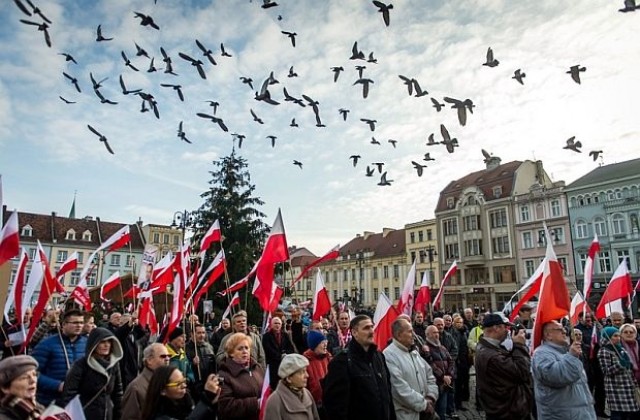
(168, 399)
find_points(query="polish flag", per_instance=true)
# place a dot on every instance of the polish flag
(553, 302)
(588, 267)
(423, 299)
(133, 292)
(405, 305)
(264, 394)
(81, 294)
(577, 305)
(117, 240)
(321, 302)
(275, 251)
(212, 235)
(9, 238)
(382, 319)
(619, 287)
(214, 272)
(177, 309)
(163, 273)
(181, 265)
(276, 295)
(331, 255)
(450, 273)
(14, 298)
(47, 286)
(110, 284)
(34, 281)
(69, 265)
(532, 287)
(235, 287)
(235, 300)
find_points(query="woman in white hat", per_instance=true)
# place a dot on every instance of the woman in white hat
(291, 400)
(18, 384)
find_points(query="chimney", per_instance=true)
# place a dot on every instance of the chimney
(386, 231)
(540, 173)
(493, 162)
(366, 234)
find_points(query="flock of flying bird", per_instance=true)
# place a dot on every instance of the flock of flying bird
(148, 102)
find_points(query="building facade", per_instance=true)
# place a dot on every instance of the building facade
(422, 246)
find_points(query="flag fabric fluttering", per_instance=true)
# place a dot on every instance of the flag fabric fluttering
(533, 286)
(111, 283)
(588, 267)
(619, 287)
(9, 238)
(214, 272)
(34, 281)
(234, 287)
(577, 306)
(81, 294)
(450, 273)
(69, 265)
(554, 302)
(423, 298)
(331, 255)
(14, 297)
(382, 319)
(162, 274)
(321, 302)
(264, 394)
(405, 304)
(212, 235)
(235, 300)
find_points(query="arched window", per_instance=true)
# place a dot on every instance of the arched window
(600, 226)
(71, 235)
(581, 229)
(618, 224)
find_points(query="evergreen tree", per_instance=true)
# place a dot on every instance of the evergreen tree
(230, 200)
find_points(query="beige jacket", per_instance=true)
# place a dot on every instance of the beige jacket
(284, 404)
(134, 395)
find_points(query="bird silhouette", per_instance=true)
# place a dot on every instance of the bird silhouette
(292, 37)
(370, 123)
(575, 71)
(487, 155)
(356, 54)
(360, 70)
(126, 91)
(240, 138)
(418, 167)
(66, 101)
(461, 107)
(255, 117)
(384, 9)
(68, 57)
(167, 61)
(36, 11)
(293, 123)
(374, 141)
(224, 52)
(206, 52)
(102, 138)
(181, 134)
(427, 157)
(595, 154)
(354, 159)
(378, 165)
(297, 163)
(629, 6)
(127, 62)
(437, 105)
(152, 68)
(419, 92)
(431, 140)
(177, 88)
(273, 140)
(196, 63)
(22, 7)
(447, 140)
(408, 82)
(103, 99)
(316, 110)
(267, 4)
(74, 81)
(292, 73)
(140, 52)
(519, 75)
(146, 20)
(214, 105)
(99, 36)
(289, 98)
(365, 86)
(384, 181)
(344, 113)
(336, 72)
(393, 142)
(491, 62)
(41, 27)
(247, 81)
(369, 171)
(371, 59)
(574, 145)
(215, 120)
(96, 85)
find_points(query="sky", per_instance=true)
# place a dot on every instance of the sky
(47, 153)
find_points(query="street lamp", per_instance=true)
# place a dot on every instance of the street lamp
(430, 252)
(183, 220)
(360, 263)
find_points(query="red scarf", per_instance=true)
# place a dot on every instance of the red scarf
(344, 338)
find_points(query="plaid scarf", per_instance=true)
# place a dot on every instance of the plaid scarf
(344, 338)
(25, 409)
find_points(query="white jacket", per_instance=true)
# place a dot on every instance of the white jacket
(412, 381)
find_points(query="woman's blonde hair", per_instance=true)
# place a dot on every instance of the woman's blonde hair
(234, 340)
(627, 326)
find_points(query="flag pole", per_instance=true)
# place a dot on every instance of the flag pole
(6, 338)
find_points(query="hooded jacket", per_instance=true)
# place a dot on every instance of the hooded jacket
(96, 380)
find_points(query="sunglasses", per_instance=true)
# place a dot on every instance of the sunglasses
(164, 356)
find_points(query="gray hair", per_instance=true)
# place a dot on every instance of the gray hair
(399, 326)
(150, 350)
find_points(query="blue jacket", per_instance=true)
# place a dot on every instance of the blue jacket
(52, 364)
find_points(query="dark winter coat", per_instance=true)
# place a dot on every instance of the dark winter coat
(241, 389)
(97, 381)
(52, 364)
(274, 353)
(358, 385)
(440, 361)
(183, 409)
(216, 338)
(299, 336)
(133, 340)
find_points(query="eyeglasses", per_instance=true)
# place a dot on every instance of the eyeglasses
(179, 384)
(628, 332)
(164, 356)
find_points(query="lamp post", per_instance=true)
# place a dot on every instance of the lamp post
(183, 219)
(360, 264)
(430, 252)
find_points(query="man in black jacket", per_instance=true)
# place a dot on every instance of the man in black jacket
(358, 384)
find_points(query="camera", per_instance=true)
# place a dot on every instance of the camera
(517, 327)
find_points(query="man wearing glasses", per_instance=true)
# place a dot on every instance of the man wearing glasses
(503, 377)
(561, 386)
(154, 356)
(55, 355)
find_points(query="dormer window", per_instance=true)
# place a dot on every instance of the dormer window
(497, 191)
(71, 235)
(27, 231)
(450, 202)
(86, 235)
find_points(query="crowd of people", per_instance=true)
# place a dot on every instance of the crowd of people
(325, 369)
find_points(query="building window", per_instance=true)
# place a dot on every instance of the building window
(386, 291)
(451, 251)
(396, 293)
(353, 274)
(396, 271)
(450, 202)
(176, 239)
(605, 262)
(563, 263)
(165, 239)
(62, 256)
(504, 274)
(420, 236)
(156, 238)
(497, 192)
(308, 285)
(385, 272)
(581, 229)
(556, 210)
(86, 235)
(375, 274)
(529, 268)
(335, 295)
(412, 237)
(501, 245)
(115, 259)
(75, 277)
(27, 231)
(71, 235)
(527, 241)
(130, 260)
(524, 214)
(599, 226)
(423, 256)
(413, 256)
(344, 275)
(80, 257)
(375, 293)
(623, 254)
(473, 247)
(558, 235)
(450, 227)
(582, 260)
(611, 195)
(618, 224)
(32, 254)
(471, 223)
(429, 235)
(498, 218)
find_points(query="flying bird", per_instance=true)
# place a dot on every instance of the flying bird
(152, 68)
(393, 142)
(206, 52)
(96, 85)
(293, 123)
(41, 27)
(427, 157)
(356, 54)
(181, 134)
(289, 98)
(127, 62)
(223, 51)
(418, 167)
(167, 61)
(419, 92)
(408, 82)
(266, 4)
(240, 138)
(487, 155)
(126, 91)
(462, 107)
(365, 86)
(344, 113)
(297, 163)
(103, 99)
(177, 88)
(447, 140)
(292, 73)
(255, 117)
(99, 36)
(374, 141)
(336, 72)
(66, 101)
(102, 138)
(379, 165)
(36, 11)
(273, 140)
(437, 105)
(370, 123)
(213, 119)
(384, 9)
(73, 80)
(196, 63)
(575, 71)
(146, 20)
(292, 37)
(629, 6)
(595, 154)
(491, 62)
(369, 171)
(360, 70)
(68, 57)
(519, 75)
(432, 141)
(140, 52)
(316, 110)
(354, 159)
(214, 105)
(371, 59)
(247, 81)
(22, 7)
(384, 181)
(573, 145)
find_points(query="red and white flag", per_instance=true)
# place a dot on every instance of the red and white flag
(163, 273)
(212, 274)
(117, 240)
(588, 267)
(321, 302)
(235, 300)
(619, 287)
(212, 235)
(553, 302)
(450, 273)
(9, 238)
(577, 306)
(110, 284)
(423, 298)
(14, 297)
(382, 319)
(530, 289)
(405, 305)
(178, 305)
(69, 265)
(34, 280)
(235, 287)
(331, 255)
(264, 394)
(275, 251)
(81, 294)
